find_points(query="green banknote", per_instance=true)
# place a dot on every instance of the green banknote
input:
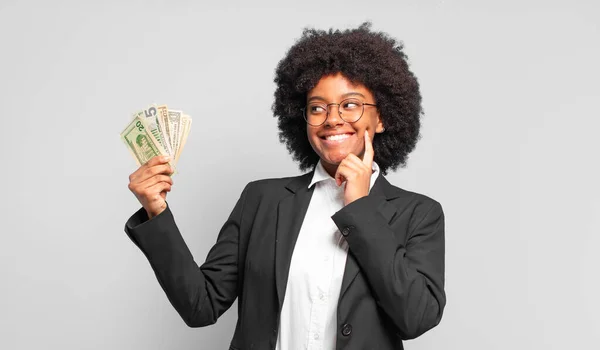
(157, 130)
(140, 142)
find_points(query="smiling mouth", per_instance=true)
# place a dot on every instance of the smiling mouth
(337, 138)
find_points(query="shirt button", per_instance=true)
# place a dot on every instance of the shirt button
(321, 296)
(346, 329)
(316, 336)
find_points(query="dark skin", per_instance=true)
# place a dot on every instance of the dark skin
(348, 160)
(150, 184)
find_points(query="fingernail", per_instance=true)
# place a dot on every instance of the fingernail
(166, 158)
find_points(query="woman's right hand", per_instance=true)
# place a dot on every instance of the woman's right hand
(150, 184)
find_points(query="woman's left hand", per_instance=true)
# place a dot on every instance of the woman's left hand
(356, 173)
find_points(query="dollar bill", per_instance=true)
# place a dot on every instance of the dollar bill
(150, 116)
(156, 130)
(186, 126)
(175, 130)
(140, 142)
(163, 122)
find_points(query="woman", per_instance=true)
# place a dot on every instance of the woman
(337, 258)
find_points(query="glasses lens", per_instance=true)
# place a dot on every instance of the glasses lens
(316, 113)
(351, 110)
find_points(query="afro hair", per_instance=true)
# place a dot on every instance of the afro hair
(363, 56)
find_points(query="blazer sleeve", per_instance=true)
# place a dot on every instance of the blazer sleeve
(407, 280)
(199, 294)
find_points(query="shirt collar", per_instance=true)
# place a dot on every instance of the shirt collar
(321, 174)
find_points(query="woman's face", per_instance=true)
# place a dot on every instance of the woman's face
(335, 139)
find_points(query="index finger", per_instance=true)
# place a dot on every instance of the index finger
(369, 152)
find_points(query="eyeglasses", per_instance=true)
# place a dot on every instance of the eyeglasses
(350, 110)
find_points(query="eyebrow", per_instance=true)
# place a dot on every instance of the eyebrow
(344, 96)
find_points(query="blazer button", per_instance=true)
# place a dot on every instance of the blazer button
(346, 230)
(346, 330)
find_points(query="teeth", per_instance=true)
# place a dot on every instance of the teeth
(337, 137)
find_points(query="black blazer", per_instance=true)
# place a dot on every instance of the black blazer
(393, 283)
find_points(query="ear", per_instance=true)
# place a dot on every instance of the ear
(379, 128)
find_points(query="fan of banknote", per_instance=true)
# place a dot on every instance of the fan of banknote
(157, 131)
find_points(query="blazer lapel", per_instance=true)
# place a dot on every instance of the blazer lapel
(290, 215)
(381, 188)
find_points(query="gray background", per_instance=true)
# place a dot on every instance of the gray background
(509, 147)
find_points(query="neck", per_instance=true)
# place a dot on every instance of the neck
(331, 169)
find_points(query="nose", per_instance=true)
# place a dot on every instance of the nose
(333, 116)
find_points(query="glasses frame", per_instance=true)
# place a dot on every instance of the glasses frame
(303, 109)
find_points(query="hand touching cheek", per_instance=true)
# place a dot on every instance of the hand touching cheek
(356, 173)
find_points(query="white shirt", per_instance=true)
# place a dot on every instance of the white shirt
(309, 312)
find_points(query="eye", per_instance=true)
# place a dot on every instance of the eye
(351, 104)
(316, 109)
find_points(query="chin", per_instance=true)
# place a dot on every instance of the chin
(332, 161)
(335, 158)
